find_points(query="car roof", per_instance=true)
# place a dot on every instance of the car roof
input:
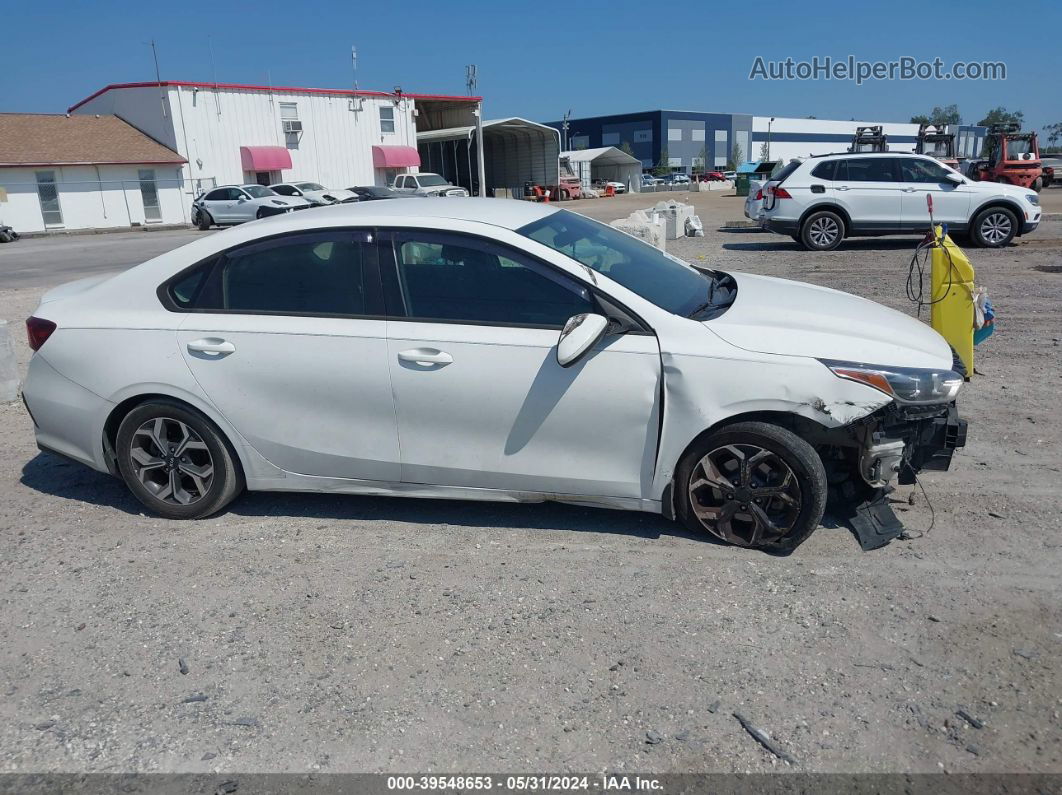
(506, 213)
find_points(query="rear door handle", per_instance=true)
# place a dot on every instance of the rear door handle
(908, 190)
(425, 356)
(842, 187)
(211, 345)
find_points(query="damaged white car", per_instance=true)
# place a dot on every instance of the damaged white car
(491, 350)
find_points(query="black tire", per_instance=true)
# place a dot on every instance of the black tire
(204, 221)
(994, 227)
(822, 231)
(783, 451)
(260, 214)
(136, 448)
(1038, 184)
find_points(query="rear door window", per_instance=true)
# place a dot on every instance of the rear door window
(873, 169)
(313, 274)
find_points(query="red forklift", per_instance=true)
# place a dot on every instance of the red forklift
(1011, 157)
(870, 139)
(932, 140)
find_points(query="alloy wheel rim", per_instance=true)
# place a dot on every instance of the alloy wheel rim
(171, 461)
(745, 494)
(823, 231)
(995, 228)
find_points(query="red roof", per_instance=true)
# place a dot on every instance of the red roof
(337, 92)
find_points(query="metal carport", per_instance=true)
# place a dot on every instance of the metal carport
(606, 162)
(515, 151)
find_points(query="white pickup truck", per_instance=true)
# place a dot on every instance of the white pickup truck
(426, 185)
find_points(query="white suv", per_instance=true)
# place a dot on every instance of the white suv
(822, 200)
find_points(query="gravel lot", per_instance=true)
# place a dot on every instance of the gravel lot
(348, 634)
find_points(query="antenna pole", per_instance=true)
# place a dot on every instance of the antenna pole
(158, 78)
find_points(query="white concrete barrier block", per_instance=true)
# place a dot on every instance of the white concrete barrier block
(8, 368)
(640, 225)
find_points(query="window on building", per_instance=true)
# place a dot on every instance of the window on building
(674, 133)
(610, 139)
(387, 119)
(643, 136)
(697, 134)
(48, 194)
(581, 142)
(149, 194)
(674, 162)
(289, 122)
(462, 279)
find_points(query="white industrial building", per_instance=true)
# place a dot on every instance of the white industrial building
(60, 173)
(233, 133)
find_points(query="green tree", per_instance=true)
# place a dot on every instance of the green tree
(625, 147)
(764, 151)
(736, 157)
(700, 160)
(946, 114)
(1001, 115)
(663, 165)
(921, 118)
(1054, 132)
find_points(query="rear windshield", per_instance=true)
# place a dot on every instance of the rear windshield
(788, 169)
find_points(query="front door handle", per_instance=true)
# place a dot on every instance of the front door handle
(211, 345)
(425, 356)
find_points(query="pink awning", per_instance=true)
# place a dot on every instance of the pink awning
(265, 158)
(395, 157)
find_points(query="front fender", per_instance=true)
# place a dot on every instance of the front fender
(701, 392)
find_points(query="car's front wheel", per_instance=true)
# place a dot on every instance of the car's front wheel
(822, 231)
(752, 484)
(175, 461)
(203, 220)
(994, 227)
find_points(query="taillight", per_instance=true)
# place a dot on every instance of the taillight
(780, 193)
(759, 195)
(38, 331)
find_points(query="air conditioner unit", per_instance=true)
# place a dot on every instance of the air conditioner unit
(292, 126)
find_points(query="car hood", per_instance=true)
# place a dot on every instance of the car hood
(791, 318)
(338, 195)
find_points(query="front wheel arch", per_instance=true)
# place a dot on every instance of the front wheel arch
(806, 429)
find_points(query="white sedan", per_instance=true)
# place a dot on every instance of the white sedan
(235, 204)
(314, 192)
(489, 350)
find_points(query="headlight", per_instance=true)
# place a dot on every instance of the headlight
(1032, 199)
(905, 384)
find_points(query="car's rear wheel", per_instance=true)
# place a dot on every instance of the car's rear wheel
(752, 484)
(994, 227)
(203, 220)
(175, 461)
(822, 231)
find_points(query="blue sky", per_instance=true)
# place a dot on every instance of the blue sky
(531, 56)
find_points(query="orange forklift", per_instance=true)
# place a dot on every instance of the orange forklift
(1012, 157)
(934, 141)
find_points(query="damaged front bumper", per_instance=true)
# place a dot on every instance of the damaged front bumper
(896, 441)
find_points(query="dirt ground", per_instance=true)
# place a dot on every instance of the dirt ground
(341, 634)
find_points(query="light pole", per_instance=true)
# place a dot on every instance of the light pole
(769, 123)
(564, 128)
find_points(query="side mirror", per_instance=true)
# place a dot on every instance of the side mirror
(578, 336)
(956, 178)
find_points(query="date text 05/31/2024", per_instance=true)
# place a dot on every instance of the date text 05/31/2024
(526, 783)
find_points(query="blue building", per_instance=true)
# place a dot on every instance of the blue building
(690, 136)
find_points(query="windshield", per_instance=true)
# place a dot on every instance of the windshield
(258, 192)
(661, 279)
(308, 186)
(1016, 147)
(428, 180)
